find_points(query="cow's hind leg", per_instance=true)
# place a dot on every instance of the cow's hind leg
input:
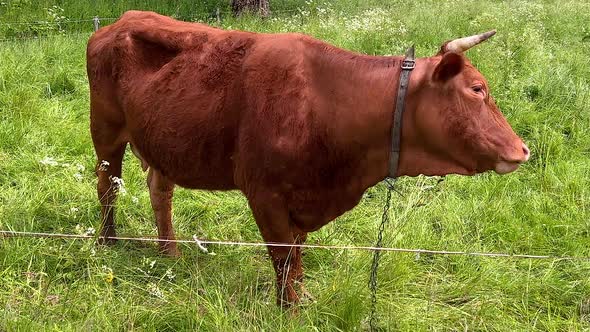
(107, 128)
(108, 170)
(161, 191)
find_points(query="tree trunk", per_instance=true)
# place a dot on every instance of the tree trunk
(259, 7)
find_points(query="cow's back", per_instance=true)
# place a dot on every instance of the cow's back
(169, 82)
(189, 95)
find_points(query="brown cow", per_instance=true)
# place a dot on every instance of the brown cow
(301, 127)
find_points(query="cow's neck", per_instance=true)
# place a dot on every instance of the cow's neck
(362, 92)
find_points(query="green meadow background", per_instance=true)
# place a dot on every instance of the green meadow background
(538, 66)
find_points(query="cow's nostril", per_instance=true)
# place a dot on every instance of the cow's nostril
(526, 151)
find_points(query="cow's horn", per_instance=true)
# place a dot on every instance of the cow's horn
(463, 44)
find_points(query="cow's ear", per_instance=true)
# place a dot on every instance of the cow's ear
(450, 65)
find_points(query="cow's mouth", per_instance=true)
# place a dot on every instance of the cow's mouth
(510, 165)
(505, 167)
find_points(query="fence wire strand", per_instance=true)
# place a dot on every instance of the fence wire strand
(59, 24)
(192, 18)
(46, 37)
(40, 22)
(20, 234)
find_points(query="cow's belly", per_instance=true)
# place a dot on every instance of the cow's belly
(311, 210)
(196, 161)
(208, 178)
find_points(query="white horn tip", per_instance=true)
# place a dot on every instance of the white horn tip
(489, 33)
(465, 43)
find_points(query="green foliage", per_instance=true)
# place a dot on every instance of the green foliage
(538, 69)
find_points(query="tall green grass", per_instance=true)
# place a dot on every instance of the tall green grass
(539, 71)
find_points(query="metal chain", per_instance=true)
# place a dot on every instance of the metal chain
(376, 254)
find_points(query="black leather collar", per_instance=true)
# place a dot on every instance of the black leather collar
(407, 65)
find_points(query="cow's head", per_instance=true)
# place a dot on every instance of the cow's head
(453, 124)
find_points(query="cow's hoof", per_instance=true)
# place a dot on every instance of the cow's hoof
(290, 308)
(169, 251)
(288, 302)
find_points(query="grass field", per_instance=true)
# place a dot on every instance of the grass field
(538, 66)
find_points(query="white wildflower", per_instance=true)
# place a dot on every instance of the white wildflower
(135, 200)
(49, 161)
(87, 231)
(78, 176)
(90, 231)
(169, 274)
(146, 262)
(103, 166)
(74, 209)
(154, 290)
(370, 20)
(118, 185)
(80, 167)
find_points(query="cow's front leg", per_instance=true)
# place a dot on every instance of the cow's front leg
(161, 191)
(273, 221)
(283, 259)
(300, 237)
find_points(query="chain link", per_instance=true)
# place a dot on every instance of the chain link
(376, 254)
(390, 182)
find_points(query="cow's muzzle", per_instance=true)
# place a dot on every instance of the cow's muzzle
(510, 165)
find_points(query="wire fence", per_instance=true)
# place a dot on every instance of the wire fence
(37, 30)
(55, 22)
(190, 18)
(200, 243)
(34, 30)
(81, 17)
(44, 37)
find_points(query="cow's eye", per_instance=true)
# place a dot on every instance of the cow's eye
(478, 89)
